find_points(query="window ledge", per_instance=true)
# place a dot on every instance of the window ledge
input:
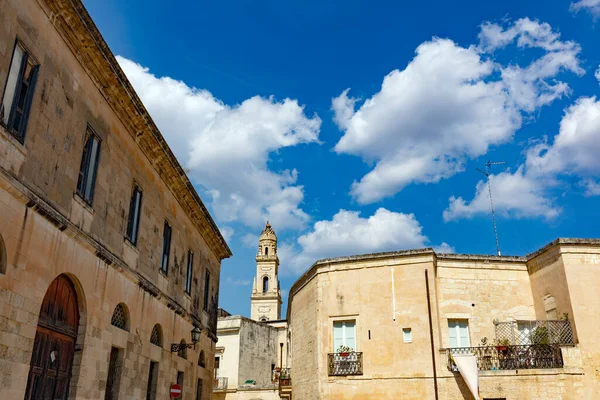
(20, 147)
(83, 203)
(130, 245)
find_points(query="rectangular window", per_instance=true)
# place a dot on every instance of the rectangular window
(89, 167)
(407, 335)
(166, 249)
(206, 290)
(217, 365)
(152, 379)
(458, 332)
(18, 92)
(113, 380)
(188, 277)
(199, 390)
(133, 223)
(344, 335)
(180, 381)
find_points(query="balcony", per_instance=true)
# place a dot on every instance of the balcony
(511, 357)
(285, 378)
(219, 384)
(342, 364)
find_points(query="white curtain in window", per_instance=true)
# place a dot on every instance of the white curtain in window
(11, 84)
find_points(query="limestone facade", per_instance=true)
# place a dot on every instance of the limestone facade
(379, 303)
(48, 231)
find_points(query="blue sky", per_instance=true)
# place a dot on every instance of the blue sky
(252, 97)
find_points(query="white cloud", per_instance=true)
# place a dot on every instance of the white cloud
(448, 105)
(347, 233)
(238, 282)
(574, 152)
(226, 148)
(592, 6)
(227, 232)
(518, 193)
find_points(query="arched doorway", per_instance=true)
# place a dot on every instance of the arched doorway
(52, 358)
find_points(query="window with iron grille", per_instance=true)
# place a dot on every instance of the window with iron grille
(180, 381)
(18, 92)
(188, 277)
(156, 336)
(89, 167)
(133, 223)
(206, 289)
(166, 249)
(113, 380)
(119, 318)
(182, 350)
(152, 380)
(202, 359)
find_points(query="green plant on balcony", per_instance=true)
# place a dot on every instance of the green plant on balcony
(344, 351)
(540, 335)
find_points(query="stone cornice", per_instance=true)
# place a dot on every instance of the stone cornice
(76, 27)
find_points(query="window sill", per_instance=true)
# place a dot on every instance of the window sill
(18, 145)
(130, 245)
(83, 203)
(163, 273)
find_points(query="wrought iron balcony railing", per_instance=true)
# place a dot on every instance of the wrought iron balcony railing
(285, 377)
(340, 364)
(490, 358)
(219, 384)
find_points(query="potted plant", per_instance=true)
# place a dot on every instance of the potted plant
(344, 351)
(502, 345)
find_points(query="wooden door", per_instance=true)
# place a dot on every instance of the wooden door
(54, 345)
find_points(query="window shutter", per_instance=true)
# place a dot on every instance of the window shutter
(464, 333)
(350, 333)
(94, 166)
(17, 93)
(130, 221)
(83, 166)
(452, 333)
(338, 335)
(27, 107)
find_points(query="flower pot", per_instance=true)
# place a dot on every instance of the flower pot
(344, 354)
(501, 348)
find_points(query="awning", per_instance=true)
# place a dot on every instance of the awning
(467, 366)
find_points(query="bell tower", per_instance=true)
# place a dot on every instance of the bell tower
(266, 298)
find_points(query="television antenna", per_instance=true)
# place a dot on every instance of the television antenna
(487, 175)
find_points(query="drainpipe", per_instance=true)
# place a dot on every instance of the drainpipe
(435, 384)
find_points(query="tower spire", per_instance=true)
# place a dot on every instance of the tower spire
(266, 297)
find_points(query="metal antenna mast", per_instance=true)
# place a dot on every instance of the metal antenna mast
(487, 175)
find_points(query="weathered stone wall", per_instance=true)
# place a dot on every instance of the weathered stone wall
(480, 291)
(258, 350)
(305, 318)
(87, 243)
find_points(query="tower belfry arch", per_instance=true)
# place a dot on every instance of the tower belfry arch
(266, 296)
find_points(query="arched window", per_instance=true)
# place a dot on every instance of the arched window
(266, 251)
(202, 359)
(120, 317)
(156, 336)
(2, 256)
(265, 284)
(183, 350)
(263, 319)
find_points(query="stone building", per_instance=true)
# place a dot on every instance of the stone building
(422, 325)
(252, 354)
(107, 254)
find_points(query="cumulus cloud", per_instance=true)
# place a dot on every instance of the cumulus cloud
(347, 233)
(448, 105)
(591, 6)
(574, 152)
(226, 148)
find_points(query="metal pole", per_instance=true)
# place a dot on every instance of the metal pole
(435, 384)
(487, 175)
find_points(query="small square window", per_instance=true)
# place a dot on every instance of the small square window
(407, 335)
